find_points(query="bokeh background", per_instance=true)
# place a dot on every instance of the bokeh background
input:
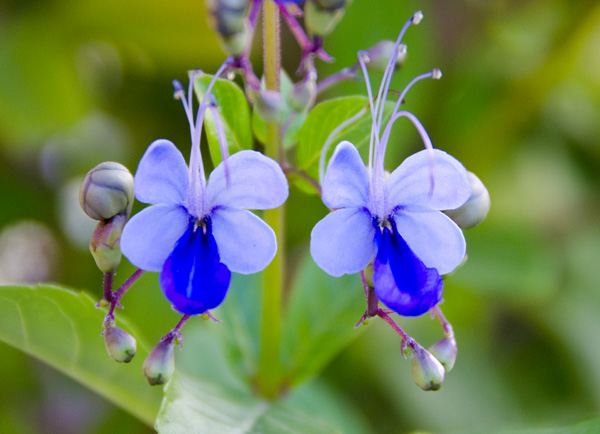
(519, 105)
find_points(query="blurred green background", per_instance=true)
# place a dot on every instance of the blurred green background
(519, 105)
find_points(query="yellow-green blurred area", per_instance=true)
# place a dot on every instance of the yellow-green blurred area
(519, 104)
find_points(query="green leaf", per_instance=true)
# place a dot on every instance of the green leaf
(321, 122)
(62, 328)
(591, 426)
(234, 113)
(319, 321)
(194, 405)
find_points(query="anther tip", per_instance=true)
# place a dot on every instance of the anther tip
(402, 49)
(417, 17)
(364, 56)
(436, 74)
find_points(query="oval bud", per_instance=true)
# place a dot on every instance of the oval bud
(445, 351)
(106, 243)
(121, 346)
(321, 16)
(303, 94)
(269, 105)
(228, 18)
(160, 363)
(427, 371)
(379, 55)
(475, 209)
(107, 190)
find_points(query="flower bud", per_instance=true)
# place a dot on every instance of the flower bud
(475, 209)
(303, 94)
(106, 243)
(121, 346)
(427, 371)
(445, 351)
(107, 190)
(269, 105)
(321, 16)
(160, 363)
(228, 18)
(379, 55)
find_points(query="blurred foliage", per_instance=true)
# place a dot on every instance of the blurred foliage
(84, 82)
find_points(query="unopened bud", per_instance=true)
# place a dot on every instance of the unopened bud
(160, 363)
(106, 191)
(475, 209)
(106, 243)
(121, 346)
(445, 351)
(321, 16)
(303, 94)
(229, 19)
(379, 55)
(269, 105)
(427, 371)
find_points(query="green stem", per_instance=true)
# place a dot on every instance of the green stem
(269, 369)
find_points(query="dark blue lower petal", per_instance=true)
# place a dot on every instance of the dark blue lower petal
(193, 278)
(402, 282)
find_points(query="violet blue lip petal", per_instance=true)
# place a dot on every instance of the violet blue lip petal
(342, 242)
(149, 236)
(410, 183)
(346, 180)
(401, 280)
(193, 278)
(162, 175)
(246, 243)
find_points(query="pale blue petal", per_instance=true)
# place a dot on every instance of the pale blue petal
(433, 237)
(346, 182)
(150, 236)
(162, 175)
(410, 183)
(343, 242)
(255, 182)
(246, 243)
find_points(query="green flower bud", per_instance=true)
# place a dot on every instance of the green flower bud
(379, 55)
(269, 105)
(445, 351)
(475, 209)
(106, 243)
(121, 346)
(160, 363)
(427, 371)
(303, 94)
(321, 16)
(228, 18)
(107, 190)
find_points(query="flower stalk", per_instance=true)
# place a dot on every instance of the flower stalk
(269, 369)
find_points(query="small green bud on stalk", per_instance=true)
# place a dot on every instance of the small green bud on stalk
(303, 94)
(269, 105)
(321, 16)
(445, 351)
(229, 20)
(106, 243)
(121, 346)
(427, 371)
(475, 209)
(160, 363)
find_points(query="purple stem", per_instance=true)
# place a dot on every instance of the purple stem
(448, 330)
(176, 332)
(344, 74)
(116, 296)
(108, 285)
(407, 341)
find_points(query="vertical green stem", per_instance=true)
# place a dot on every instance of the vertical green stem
(269, 369)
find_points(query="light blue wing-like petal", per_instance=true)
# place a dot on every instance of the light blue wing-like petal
(246, 243)
(410, 183)
(346, 182)
(342, 243)
(433, 237)
(255, 182)
(162, 175)
(149, 237)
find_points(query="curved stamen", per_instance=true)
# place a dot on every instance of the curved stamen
(363, 58)
(222, 140)
(435, 74)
